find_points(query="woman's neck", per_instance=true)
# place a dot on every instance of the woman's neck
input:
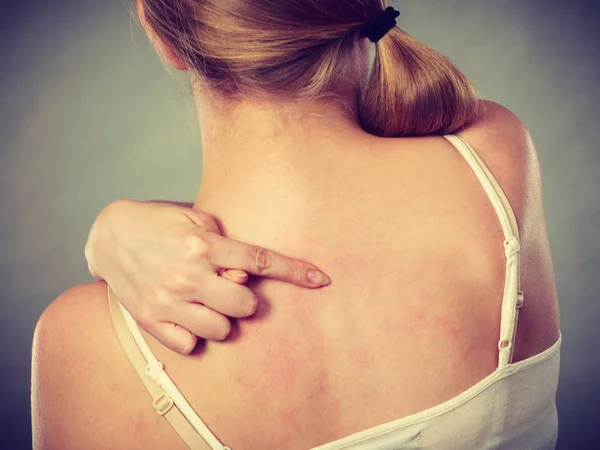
(253, 149)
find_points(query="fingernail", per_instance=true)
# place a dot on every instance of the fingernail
(317, 277)
(239, 274)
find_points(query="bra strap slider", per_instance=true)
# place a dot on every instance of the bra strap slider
(162, 404)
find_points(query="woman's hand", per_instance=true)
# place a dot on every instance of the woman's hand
(177, 276)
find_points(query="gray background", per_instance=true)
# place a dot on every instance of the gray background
(89, 115)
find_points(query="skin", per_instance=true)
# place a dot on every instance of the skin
(418, 272)
(411, 319)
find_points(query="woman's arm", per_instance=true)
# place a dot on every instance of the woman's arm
(178, 277)
(169, 202)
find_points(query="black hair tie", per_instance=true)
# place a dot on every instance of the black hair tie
(379, 25)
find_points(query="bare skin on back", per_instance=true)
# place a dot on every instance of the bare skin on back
(414, 249)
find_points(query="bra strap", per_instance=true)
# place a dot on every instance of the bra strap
(512, 298)
(163, 404)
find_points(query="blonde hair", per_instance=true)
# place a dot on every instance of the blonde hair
(302, 49)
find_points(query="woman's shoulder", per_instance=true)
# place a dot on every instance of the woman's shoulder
(501, 134)
(71, 336)
(494, 118)
(73, 311)
(76, 367)
(504, 143)
(85, 393)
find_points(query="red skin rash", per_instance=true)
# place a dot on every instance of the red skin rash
(361, 357)
(449, 329)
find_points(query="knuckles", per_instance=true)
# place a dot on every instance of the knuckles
(263, 260)
(196, 246)
(179, 283)
(163, 300)
(144, 318)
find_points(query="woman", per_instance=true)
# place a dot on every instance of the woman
(434, 250)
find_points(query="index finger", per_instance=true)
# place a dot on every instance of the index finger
(225, 253)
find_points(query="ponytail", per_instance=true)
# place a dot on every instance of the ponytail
(414, 91)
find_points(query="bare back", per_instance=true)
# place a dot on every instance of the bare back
(414, 250)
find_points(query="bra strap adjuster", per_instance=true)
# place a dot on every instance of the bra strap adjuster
(162, 404)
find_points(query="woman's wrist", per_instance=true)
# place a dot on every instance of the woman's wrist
(101, 238)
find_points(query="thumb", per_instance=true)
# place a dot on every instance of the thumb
(236, 275)
(174, 337)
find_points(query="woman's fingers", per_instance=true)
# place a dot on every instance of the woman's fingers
(226, 253)
(202, 321)
(253, 259)
(172, 336)
(227, 298)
